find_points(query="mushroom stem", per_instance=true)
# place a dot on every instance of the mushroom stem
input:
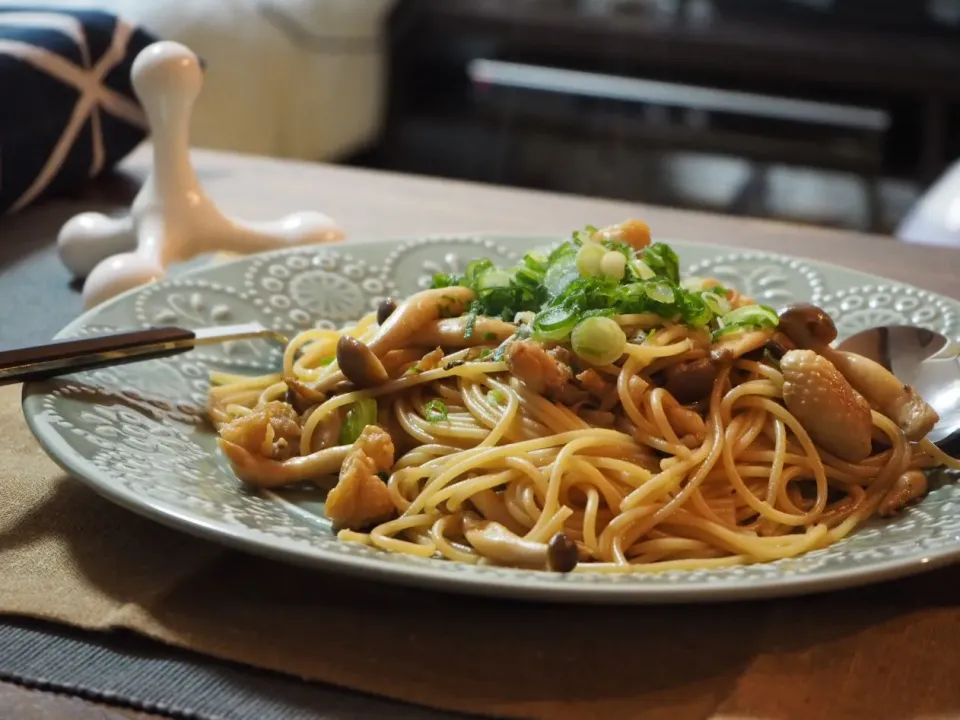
(495, 542)
(493, 509)
(451, 332)
(418, 310)
(892, 398)
(265, 473)
(739, 344)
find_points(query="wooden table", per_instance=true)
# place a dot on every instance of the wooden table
(373, 205)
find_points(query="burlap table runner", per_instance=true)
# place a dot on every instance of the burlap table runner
(69, 556)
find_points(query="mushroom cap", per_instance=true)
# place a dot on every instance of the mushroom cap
(562, 553)
(385, 310)
(359, 364)
(807, 325)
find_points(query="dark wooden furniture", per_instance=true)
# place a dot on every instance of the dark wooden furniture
(443, 118)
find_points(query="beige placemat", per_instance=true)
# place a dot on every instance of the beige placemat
(67, 555)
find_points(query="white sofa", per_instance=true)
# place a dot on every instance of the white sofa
(288, 78)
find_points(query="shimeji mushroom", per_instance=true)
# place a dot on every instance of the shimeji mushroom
(495, 542)
(358, 363)
(402, 325)
(810, 327)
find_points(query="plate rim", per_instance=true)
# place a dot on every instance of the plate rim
(549, 588)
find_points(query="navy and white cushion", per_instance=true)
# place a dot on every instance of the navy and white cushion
(67, 109)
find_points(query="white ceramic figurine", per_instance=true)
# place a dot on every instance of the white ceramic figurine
(171, 219)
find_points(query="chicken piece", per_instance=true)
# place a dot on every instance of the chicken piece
(271, 431)
(593, 382)
(909, 487)
(602, 389)
(738, 301)
(829, 409)
(537, 368)
(378, 445)
(634, 233)
(360, 498)
(430, 361)
(397, 362)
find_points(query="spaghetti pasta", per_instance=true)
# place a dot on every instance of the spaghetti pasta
(582, 415)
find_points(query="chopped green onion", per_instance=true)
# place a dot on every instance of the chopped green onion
(598, 340)
(493, 279)
(693, 310)
(641, 269)
(435, 411)
(497, 397)
(359, 415)
(660, 292)
(613, 264)
(442, 280)
(550, 291)
(584, 236)
(716, 302)
(528, 278)
(536, 260)
(472, 314)
(561, 273)
(555, 323)
(589, 258)
(758, 316)
(475, 269)
(661, 258)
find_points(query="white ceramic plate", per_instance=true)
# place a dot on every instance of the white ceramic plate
(137, 433)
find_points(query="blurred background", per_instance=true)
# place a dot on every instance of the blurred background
(831, 112)
(835, 112)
